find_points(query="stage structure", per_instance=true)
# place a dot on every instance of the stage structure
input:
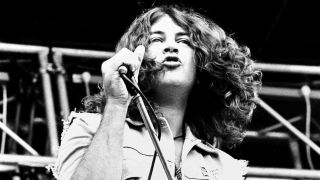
(42, 53)
(72, 67)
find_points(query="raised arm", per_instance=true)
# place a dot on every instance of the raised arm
(102, 157)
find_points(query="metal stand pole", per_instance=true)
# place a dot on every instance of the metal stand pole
(147, 121)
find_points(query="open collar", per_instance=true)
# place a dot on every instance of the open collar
(190, 137)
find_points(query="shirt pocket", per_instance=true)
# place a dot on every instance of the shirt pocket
(131, 170)
(196, 173)
(136, 164)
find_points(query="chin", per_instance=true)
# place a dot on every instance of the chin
(174, 83)
(175, 80)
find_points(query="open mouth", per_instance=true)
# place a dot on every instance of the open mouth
(171, 61)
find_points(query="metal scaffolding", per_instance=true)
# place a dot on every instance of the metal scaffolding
(58, 54)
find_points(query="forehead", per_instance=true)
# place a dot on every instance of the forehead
(166, 24)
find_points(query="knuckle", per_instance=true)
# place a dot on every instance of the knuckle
(104, 65)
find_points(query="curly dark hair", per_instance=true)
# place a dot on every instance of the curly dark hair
(221, 102)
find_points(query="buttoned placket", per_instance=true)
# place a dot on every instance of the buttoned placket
(167, 144)
(188, 144)
(168, 149)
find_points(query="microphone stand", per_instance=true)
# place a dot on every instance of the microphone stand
(148, 123)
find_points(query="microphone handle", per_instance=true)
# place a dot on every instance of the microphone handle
(127, 76)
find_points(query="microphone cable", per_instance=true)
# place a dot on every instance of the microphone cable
(134, 89)
(306, 94)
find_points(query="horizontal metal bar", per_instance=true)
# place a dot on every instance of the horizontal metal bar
(82, 53)
(21, 48)
(78, 78)
(283, 173)
(287, 68)
(264, 178)
(25, 160)
(269, 135)
(287, 92)
(8, 168)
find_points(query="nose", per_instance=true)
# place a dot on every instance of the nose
(170, 48)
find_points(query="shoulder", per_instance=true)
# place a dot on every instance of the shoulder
(76, 136)
(88, 121)
(238, 167)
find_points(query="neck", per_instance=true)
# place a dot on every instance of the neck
(172, 105)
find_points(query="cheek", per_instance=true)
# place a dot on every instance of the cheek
(192, 65)
(190, 59)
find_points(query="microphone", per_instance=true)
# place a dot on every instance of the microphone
(128, 79)
(123, 70)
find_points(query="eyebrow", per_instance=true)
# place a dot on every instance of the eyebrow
(177, 34)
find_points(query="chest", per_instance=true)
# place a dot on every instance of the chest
(138, 152)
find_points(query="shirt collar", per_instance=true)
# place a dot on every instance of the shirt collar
(135, 122)
(203, 145)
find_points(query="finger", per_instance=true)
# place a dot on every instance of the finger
(139, 51)
(115, 61)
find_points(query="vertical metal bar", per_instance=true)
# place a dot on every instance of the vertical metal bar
(16, 124)
(61, 83)
(86, 76)
(49, 105)
(295, 152)
(4, 118)
(31, 122)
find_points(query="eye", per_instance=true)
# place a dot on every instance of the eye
(184, 41)
(156, 39)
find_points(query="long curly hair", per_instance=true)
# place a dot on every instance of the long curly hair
(221, 102)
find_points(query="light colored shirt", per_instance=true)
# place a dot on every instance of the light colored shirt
(199, 159)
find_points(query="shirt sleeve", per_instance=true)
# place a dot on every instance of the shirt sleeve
(76, 137)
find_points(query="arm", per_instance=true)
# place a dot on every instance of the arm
(103, 158)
